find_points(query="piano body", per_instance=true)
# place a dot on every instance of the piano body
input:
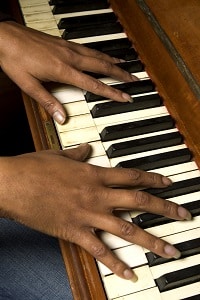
(166, 36)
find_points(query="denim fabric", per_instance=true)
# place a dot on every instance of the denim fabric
(31, 265)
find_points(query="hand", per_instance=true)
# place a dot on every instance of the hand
(30, 57)
(58, 194)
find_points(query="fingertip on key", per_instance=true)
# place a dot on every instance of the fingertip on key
(184, 213)
(130, 275)
(166, 181)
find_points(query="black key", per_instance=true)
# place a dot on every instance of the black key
(87, 21)
(132, 88)
(92, 31)
(178, 278)
(177, 188)
(187, 248)
(64, 6)
(144, 144)
(119, 48)
(124, 130)
(129, 66)
(112, 107)
(158, 160)
(148, 220)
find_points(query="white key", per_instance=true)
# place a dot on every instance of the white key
(137, 137)
(116, 160)
(182, 292)
(191, 197)
(181, 237)
(101, 161)
(24, 3)
(67, 93)
(176, 169)
(76, 122)
(96, 151)
(150, 294)
(183, 199)
(37, 9)
(37, 17)
(82, 13)
(175, 265)
(99, 38)
(117, 287)
(184, 176)
(76, 108)
(174, 227)
(45, 25)
(102, 122)
(109, 80)
(76, 137)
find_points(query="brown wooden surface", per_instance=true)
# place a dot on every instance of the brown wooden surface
(181, 101)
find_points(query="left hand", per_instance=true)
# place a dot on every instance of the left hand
(30, 57)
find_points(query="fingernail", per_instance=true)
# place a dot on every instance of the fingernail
(59, 117)
(127, 97)
(135, 78)
(130, 275)
(172, 251)
(184, 213)
(166, 181)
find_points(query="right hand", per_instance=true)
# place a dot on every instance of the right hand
(55, 192)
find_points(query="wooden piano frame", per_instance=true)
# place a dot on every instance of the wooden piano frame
(170, 50)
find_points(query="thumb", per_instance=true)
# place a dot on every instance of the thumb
(80, 153)
(39, 93)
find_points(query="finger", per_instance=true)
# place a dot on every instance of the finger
(85, 51)
(142, 201)
(105, 67)
(93, 85)
(80, 153)
(132, 177)
(98, 250)
(35, 90)
(133, 234)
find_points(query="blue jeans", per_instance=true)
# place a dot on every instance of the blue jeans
(31, 265)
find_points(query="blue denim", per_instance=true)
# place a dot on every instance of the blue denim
(31, 265)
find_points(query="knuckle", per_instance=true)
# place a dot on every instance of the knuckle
(128, 229)
(48, 105)
(142, 199)
(153, 178)
(96, 86)
(99, 251)
(169, 208)
(154, 244)
(134, 174)
(107, 66)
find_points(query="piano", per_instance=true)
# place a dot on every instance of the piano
(159, 131)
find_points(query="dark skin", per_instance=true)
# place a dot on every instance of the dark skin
(30, 57)
(39, 190)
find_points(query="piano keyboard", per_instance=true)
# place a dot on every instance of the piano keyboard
(141, 134)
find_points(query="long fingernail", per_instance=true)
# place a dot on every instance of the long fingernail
(130, 275)
(134, 78)
(59, 117)
(127, 97)
(172, 251)
(184, 213)
(166, 181)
